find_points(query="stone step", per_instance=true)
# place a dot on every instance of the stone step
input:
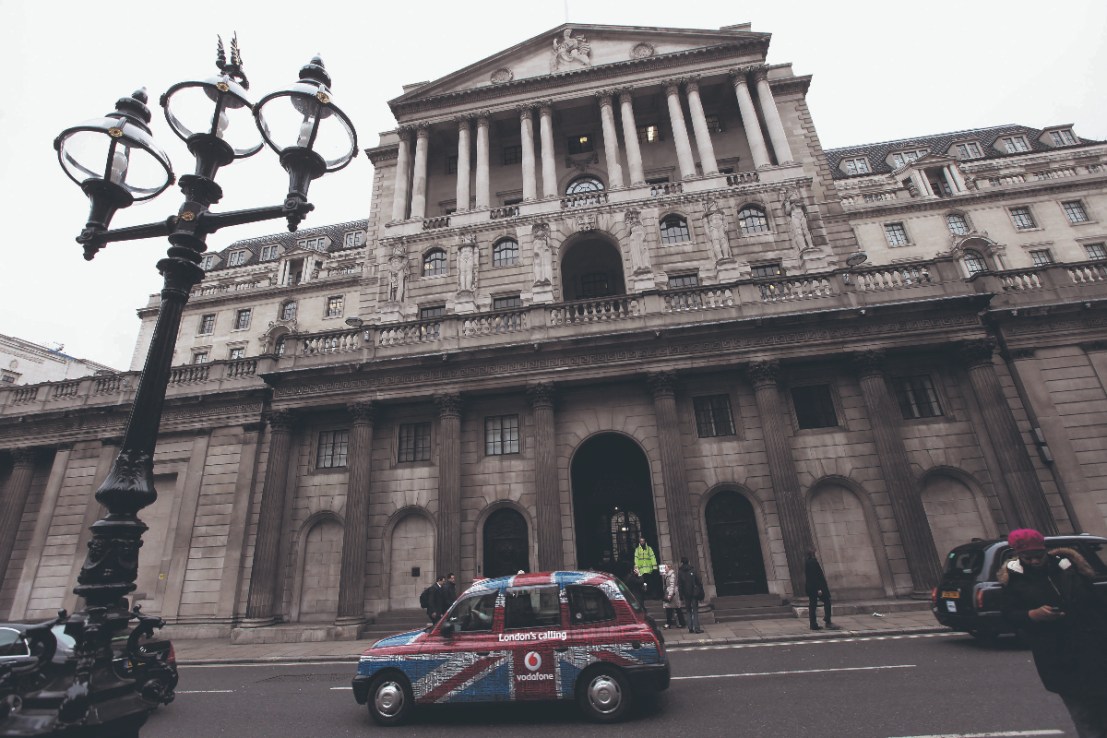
(865, 607)
(742, 601)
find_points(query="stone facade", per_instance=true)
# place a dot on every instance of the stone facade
(610, 285)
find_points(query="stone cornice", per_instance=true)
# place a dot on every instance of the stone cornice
(384, 153)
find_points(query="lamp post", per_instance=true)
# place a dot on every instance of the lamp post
(115, 162)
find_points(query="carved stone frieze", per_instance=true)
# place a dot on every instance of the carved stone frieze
(642, 51)
(501, 76)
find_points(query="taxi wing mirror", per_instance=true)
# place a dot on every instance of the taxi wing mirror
(448, 628)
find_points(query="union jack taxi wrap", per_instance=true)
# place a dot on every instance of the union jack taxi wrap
(522, 637)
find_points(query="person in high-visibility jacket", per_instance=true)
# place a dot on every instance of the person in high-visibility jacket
(645, 561)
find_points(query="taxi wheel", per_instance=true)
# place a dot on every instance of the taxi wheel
(390, 699)
(603, 694)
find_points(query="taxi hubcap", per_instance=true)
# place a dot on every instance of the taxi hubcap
(389, 698)
(604, 693)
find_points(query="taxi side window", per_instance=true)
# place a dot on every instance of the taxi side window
(12, 643)
(532, 607)
(474, 614)
(588, 605)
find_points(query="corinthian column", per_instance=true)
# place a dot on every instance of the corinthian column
(12, 504)
(903, 492)
(261, 604)
(610, 141)
(448, 549)
(419, 177)
(355, 534)
(749, 120)
(526, 138)
(682, 525)
(772, 117)
(482, 193)
(1015, 474)
(630, 138)
(549, 172)
(790, 508)
(548, 500)
(403, 176)
(463, 196)
(699, 126)
(680, 131)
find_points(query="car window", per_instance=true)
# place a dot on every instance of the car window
(630, 597)
(474, 614)
(1092, 553)
(12, 644)
(588, 605)
(532, 607)
(966, 561)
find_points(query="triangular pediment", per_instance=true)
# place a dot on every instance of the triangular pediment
(572, 48)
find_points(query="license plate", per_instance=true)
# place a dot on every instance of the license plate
(951, 606)
(951, 595)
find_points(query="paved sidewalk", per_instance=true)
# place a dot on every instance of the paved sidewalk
(222, 651)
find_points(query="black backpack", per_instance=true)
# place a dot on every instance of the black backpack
(425, 598)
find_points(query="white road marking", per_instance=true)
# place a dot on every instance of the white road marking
(347, 689)
(204, 691)
(797, 671)
(999, 734)
(812, 642)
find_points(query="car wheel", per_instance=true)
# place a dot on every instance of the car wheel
(603, 694)
(390, 699)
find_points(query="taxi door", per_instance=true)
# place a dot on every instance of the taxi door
(463, 660)
(534, 632)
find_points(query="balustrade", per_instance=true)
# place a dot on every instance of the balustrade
(107, 385)
(242, 368)
(188, 374)
(1087, 273)
(795, 289)
(595, 311)
(409, 333)
(442, 221)
(333, 342)
(1020, 281)
(494, 323)
(666, 188)
(890, 278)
(742, 178)
(507, 211)
(584, 200)
(702, 298)
(65, 389)
(24, 395)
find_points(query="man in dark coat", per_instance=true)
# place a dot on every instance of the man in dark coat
(450, 588)
(1049, 596)
(436, 608)
(817, 589)
(691, 593)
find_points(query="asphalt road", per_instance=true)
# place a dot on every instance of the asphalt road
(936, 685)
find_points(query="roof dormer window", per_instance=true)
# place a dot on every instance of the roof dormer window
(856, 165)
(207, 262)
(1062, 137)
(269, 252)
(903, 158)
(237, 258)
(1014, 144)
(968, 150)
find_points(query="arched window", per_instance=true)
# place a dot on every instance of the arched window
(674, 229)
(957, 223)
(582, 187)
(752, 219)
(434, 263)
(288, 310)
(505, 252)
(279, 348)
(974, 262)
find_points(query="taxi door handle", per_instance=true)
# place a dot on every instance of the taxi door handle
(563, 649)
(483, 653)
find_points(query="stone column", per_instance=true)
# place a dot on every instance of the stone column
(463, 195)
(355, 534)
(482, 193)
(957, 182)
(400, 193)
(261, 605)
(419, 176)
(610, 141)
(771, 112)
(699, 126)
(790, 507)
(13, 502)
(546, 488)
(680, 131)
(448, 549)
(630, 138)
(682, 523)
(526, 138)
(749, 120)
(903, 492)
(549, 172)
(1016, 472)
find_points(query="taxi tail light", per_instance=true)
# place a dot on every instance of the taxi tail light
(934, 595)
(979, 599)
(172, 658)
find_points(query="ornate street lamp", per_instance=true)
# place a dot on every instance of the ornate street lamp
(115, 161)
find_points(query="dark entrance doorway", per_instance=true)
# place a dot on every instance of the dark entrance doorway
(612, 502)
(590, 269)
(735, 545)
(506, 547)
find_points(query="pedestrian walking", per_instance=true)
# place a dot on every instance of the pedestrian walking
(433, 600)
(690, 587)
(1049, 596)
(645, 561)
(450, 588)
(670, 597)
(817, 589)
(637, 586)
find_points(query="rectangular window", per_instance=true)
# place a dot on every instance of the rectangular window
(1041, 257)
(581, 144)
(430, 312)
(507, 303)
(333, 446)
(767, 270)
(334, 306)
(237, 258)
(1063, 137)
(814, 407)
(237, 353)
(958, 226)
(200, 357)
(268, 253)
(415, 441)
(1075, 212)
(902, 158)
(451, 164)
(501, 435)
(594, 284)
(1022, 218)
(677, 281)
(207, 262)
(1014, 144)
(649, 133)
(713, 416)
(242, 319)
(588, 605)
(896, 234)
(512, 154)
(859, 165)
(969, 150)
(1096, 251)
(714, 124)
(207, 325)
(917, 398)
(532, 607)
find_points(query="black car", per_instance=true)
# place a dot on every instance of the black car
(968, 597)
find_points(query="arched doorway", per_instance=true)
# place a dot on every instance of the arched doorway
(590, 269)
(735, 545)
(322, 559)
(612, 503)
(412, 550)
(845, 542)
(506, 545)
(953, 512)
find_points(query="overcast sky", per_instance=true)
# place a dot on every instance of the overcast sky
(882, 70)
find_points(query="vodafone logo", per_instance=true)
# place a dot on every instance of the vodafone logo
(533, 661)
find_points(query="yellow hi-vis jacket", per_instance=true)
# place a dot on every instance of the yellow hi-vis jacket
(644, 560)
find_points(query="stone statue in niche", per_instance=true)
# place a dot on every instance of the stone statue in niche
(543, 254)
(796, 212)
(717, 236)
(639, 257)
(397, 274)
(570, 51)
(467, 264)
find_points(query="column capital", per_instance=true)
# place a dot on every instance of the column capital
(422, 130)
(604, 97)
(541, 394)
(662, 384)
(281, 420)
(633, 218)
(483, 117)
(111, 441)
(759, 72)
(869, 362)
(254, 427)
(762, 373)
(23, 456)
(449, 404)
(978, 352)
(692, 83)
(362, 412)
(738, 75)
(672, 85)
(404, 131)
(626, 94)
(464, 121)
(525, 111)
